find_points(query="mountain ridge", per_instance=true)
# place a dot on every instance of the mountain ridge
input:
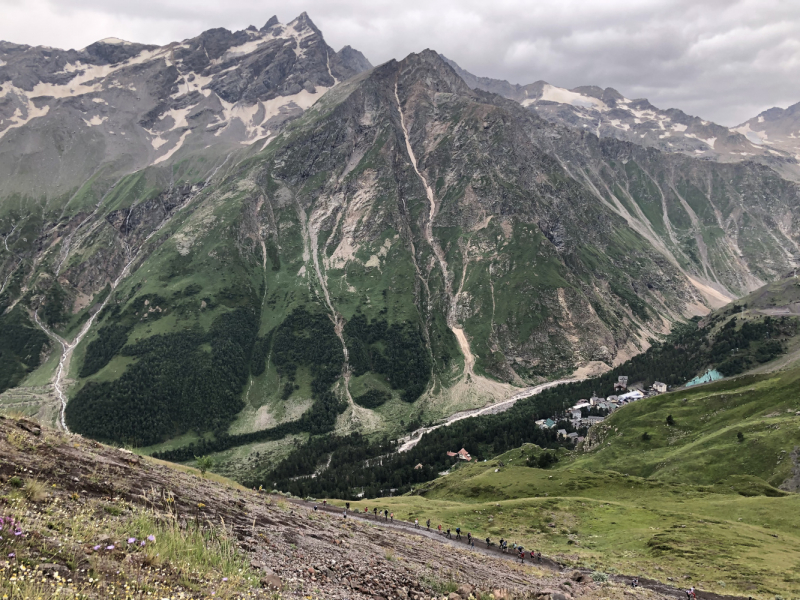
(607, 113)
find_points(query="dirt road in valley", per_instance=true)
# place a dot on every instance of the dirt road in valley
(412, 439)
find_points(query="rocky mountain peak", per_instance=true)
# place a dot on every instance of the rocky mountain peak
(303, 23)
(137, 105)
(431, 70)
(273, 20)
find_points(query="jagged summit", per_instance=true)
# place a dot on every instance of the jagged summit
(273, 20)
(303, 22)
(131, 105)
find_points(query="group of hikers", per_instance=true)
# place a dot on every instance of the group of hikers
(469, 539)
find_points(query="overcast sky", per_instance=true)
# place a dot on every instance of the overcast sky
(724, 60)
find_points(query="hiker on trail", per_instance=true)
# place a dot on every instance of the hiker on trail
(440, 528)
(449, 537)
(347, 505)
(375, 510)
(539, 556)
(501, 545)
(472, 543)
(635, 582)
(469, 537)
(690, 594)
(458, 533)
(488, 542)
(366, 510)
(392, 517)
(345, 514)
(429, 524)
(416, 523)
(522, 556)
(315, 508)
(324, 503)
(386, 514)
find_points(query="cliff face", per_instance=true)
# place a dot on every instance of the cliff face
(405, 247)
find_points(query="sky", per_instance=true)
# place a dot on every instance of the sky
(723, 60)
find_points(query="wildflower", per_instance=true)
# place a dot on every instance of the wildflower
(11, 555)
(131, 540)
(111, 547)
(151, 537)
(96, 548)
(224, 579)
(142, 543)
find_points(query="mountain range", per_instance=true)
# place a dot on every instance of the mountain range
(248, 236)
(772, 138)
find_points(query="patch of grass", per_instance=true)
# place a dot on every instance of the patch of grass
(34, 490)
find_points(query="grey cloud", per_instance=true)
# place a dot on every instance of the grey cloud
(719, 59)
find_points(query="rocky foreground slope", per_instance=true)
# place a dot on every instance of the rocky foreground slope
(97, 522)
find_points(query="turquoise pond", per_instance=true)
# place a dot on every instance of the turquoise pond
(707, 377)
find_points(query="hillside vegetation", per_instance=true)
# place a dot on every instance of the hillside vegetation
(744, 427)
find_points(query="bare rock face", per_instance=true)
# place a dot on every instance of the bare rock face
(792, 483)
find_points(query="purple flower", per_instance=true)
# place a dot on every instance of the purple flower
(12, 555)
(142, 543)
(224, 579)
(131, 540)
(151, 537)
(96, 548)
(18, 532)
(111, 547)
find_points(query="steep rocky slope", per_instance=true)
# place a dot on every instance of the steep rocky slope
(404, 248)
(97, 522)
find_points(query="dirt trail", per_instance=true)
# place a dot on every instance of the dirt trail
(469, 359)
(411, 440)
(481, 547)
